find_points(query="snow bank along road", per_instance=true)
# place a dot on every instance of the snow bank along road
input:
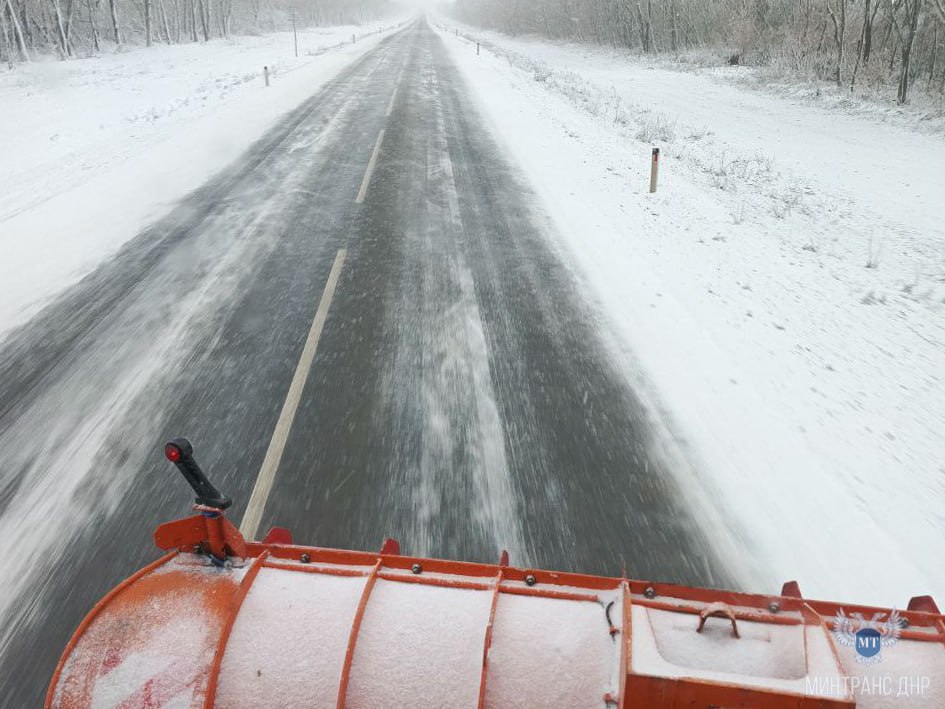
(460, 394)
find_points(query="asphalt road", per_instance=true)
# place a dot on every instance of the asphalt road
(462, 397)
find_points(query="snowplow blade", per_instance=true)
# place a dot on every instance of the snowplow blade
(224, 622)
(304, 626)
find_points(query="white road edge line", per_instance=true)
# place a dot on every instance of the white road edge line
(267, 473)
(370, 169)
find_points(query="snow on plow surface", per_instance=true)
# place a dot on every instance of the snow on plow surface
(277, 632)
(417, 644)
(781, 298)
(291, 625)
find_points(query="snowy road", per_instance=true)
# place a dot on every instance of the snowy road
(793, 337)
(462, 396)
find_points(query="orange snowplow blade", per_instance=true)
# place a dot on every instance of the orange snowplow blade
(301, 626)
(222, 622)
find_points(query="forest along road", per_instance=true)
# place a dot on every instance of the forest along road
(368, 315)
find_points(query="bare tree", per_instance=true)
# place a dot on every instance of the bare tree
(92, 8)
(912, 9)
(61, 36)
(939, 6)
(165, 26)
(17, 31)
(147, 23)
(206, 9)
(116, 28)
(646, 36)
(7, 48)
(869, 19)
(864, 46)
(226, 12)
(839, 35)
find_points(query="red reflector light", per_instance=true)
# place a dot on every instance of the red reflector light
(172, 452)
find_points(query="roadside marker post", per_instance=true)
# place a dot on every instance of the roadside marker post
(266, 74)
(654, 169)
(477, 49)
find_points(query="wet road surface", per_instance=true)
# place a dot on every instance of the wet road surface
(462, 396)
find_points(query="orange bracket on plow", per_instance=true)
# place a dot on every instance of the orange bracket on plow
(210, 530)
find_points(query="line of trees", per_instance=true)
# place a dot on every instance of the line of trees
(80, 27)
(895, 43)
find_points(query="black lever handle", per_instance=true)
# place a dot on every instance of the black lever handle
(181, 453)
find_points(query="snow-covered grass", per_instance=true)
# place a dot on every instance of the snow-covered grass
(94, 149)
(780, 299)
(873, 96)
(924, 112)
(876, 101)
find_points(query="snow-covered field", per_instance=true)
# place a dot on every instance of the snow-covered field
(144, 127)
(781, 297)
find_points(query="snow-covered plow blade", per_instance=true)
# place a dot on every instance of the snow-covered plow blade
(222, 622)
